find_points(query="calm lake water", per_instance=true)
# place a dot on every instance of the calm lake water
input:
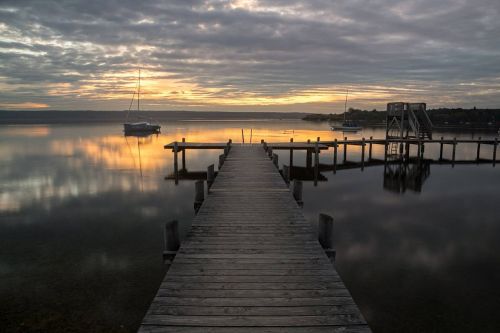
(82, 209)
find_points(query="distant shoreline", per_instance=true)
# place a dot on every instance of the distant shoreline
(77, 117)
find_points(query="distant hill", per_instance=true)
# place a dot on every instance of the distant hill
(440, 117)
(66, 117)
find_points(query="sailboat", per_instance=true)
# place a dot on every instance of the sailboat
(141, 126)
(347, 125)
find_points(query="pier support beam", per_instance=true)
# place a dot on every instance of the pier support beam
(478, 154)
(286, 173)
(275, 160)
(222, 157)
(441, 150)
(363, 144)
(291, 154)
(199, 197)
(345, 149)
(325, 234)
(210, 175)
(370, 149)
(453, 152)
(316, 162)
(171, 241)
(183, 154)
(495, 145)
(335, 153)
(176, 165)
(297, 192)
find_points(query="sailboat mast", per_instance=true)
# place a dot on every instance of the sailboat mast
(345, 105)
(139, 90)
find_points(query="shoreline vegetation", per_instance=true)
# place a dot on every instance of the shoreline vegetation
(484, 119)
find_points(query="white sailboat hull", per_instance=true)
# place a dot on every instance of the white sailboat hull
(143, 127)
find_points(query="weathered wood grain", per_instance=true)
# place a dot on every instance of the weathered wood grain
(251, 262)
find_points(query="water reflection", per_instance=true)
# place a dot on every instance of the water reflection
(402, 176)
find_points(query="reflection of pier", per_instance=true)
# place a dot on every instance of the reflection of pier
(398, 177)
(251, 262)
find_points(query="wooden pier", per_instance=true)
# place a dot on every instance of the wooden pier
(251, 262)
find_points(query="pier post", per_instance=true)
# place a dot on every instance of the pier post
(291, 154)
(478, 149)
(229, 143)
(419, 149)
(335, 151)
(270, 152)
(171, 241)
(286, 173)
(441, 150)
(453, 152)
(297, 192)
(316, 162)
(407, 151)
(370, 149)
(199, 187)
(275, 160)
(308, 156)
(176, 166)
(221, 160)
(325, 234)
(386, 144)
(183, 154)
(363, 154)
(345, 149)
(265, 145)
(495, 145)
(210, 175)
(226, 151)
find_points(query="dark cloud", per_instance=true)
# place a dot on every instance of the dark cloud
(444, 52)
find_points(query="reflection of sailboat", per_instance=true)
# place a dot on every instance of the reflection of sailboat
(141, 126)
(145, 138)
(347, 125)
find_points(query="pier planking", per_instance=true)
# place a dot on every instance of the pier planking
(251, 262)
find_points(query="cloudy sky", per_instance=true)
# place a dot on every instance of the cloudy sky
(248, 54)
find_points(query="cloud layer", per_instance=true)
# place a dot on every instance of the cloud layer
(249, 54)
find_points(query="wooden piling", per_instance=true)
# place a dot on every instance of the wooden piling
(275, 160)
(183, 154)
(478, 153)
(171, 241)
(335, 150)
(297, 191)
(210, 175)
(291, 153)
(453, 152)
(370, 149)
(286, 173)
(316, 162)
(363, 154)
(345, 149)
(199, 197)
(495, 145)
(270, 152)
(226, 151)
(325, 234)
(176, 166)
(221, 160)
(441, 150)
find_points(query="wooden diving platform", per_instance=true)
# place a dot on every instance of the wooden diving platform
(251, 262)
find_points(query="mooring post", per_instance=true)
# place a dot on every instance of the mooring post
(275, 160)
(291, 153)
(453, 152)
(308, 156)
(316, 162)
(345, 149)
(210, 175)
(270, 152)
(261, 141)
(199, 187)
(363, 154)
(495, 151)
(226, 151)
(183, 154)
(286, 173)
(478, 149)
(297, 191)
(335, 150)
(265, 145)
(370, 149)
(171, 241)
(221, 160)
(325, 234)
(229, 143)
(176, 166)
(441, 150)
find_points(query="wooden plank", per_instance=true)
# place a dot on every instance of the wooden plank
(251, 261)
